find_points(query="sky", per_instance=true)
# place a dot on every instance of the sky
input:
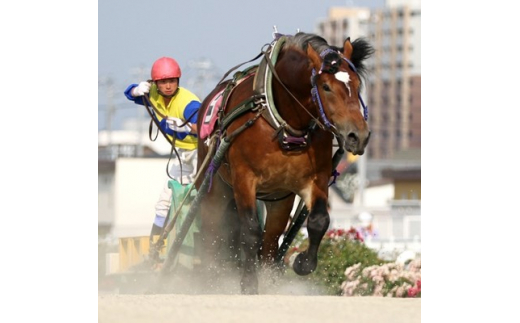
(133, 34)
(51, 50)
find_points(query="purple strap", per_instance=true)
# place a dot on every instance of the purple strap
(209, 172)
(335, 174)
(316, 98)
(316, 95)
(365, 108)
(295, 140)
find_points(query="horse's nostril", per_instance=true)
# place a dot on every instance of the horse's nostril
(352, 137)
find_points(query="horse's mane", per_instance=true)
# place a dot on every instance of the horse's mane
(301, 40)
(361, 49)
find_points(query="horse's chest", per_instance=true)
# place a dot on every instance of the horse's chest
(285, 174)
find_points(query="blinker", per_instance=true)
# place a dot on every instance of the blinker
(330, 66)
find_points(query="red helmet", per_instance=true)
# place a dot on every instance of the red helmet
(165, 68)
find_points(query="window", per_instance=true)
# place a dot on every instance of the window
(385, 102)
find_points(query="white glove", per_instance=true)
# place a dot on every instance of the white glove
(141, 89)
(175, 125)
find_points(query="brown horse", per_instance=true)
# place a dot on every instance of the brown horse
(280, 119)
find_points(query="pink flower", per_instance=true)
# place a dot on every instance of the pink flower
(412, 292)
(354, 234)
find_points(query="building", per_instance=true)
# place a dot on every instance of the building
(131, 172)
(392, 196)
(343, 22)
(129, 143)
(393, 90)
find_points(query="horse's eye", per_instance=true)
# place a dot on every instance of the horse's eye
(326, 87)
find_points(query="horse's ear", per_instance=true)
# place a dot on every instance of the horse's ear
(347, 48)
(315, 57)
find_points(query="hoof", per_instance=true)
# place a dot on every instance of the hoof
(249, 291)
(303, 265)
(249, 285)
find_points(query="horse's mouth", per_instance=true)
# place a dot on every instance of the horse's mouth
(356, 146)
(355, 151)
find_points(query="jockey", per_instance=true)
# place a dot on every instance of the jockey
(176, 110)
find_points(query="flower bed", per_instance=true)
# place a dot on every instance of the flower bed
(391, 280)
(347, 267)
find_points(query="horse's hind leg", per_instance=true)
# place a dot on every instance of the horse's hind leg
(317, 224)
(214, 235)
(250, 235)
(231, 240)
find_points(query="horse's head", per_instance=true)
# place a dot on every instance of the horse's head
(336, 83)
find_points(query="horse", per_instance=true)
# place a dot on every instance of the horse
(279, 119)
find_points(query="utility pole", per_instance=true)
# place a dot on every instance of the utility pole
(362, 167)
(107, 84)
(362, 173)
(140, 74)
(201, 73)
(111, 109)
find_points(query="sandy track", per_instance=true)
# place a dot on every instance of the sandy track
(113, 308)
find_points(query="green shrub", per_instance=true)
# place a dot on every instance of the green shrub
(338, 250)
(335, 256)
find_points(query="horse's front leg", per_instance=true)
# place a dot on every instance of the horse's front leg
(317, 224)
(250, 234)
(278, 214)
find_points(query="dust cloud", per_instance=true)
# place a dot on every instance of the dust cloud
(196, 282)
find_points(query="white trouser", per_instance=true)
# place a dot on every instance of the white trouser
(189, 170)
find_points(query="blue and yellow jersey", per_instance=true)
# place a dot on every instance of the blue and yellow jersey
(183, 105)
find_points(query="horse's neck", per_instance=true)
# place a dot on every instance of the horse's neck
(295, 109)
(295, 101)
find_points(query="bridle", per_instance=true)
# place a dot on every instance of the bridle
(327, 125)
(333, 69)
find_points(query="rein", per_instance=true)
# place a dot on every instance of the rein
(273, 70)
(258, 102)
(282, 125)
(152, 110)
(155, 248)
(328, 126)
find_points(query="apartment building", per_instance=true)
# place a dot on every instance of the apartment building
(393, 90)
